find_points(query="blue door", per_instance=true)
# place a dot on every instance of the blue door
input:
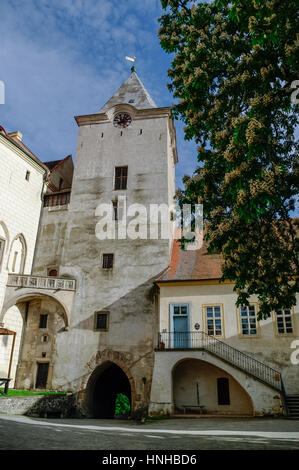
(180, 326)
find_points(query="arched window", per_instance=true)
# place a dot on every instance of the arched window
(17, 257)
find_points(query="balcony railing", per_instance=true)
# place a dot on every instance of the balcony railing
(200, 340)
(58, 199)
(39, 282)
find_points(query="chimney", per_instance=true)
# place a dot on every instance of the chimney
(16, 135)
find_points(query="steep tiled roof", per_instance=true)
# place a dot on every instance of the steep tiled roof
(192, 265)
(196, 264)
(53, 164)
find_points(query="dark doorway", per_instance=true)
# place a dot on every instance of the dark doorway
(107, 383)
(42, 375)
(223, 391)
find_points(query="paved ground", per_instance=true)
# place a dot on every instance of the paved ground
(20, 432)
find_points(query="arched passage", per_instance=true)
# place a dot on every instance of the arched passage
(104, 384)
(199, 383)
(39, 321)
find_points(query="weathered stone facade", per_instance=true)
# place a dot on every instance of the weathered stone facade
(67, 239)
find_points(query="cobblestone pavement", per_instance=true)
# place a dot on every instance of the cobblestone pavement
(20, 433)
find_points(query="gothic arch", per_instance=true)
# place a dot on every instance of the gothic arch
(20, 237)
(31, 296)
(6, 232)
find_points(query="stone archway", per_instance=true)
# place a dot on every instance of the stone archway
(107, 380)
(199, 383)
(36, 340)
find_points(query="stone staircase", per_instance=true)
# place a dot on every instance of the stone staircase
(292, 406)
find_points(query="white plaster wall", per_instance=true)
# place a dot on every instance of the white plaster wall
(195, 382)
(269, 347)
(13, 321)
(264, 399)
(20, 203)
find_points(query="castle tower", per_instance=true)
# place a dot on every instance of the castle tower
(93, 327)
(126, 154)
(127, 150)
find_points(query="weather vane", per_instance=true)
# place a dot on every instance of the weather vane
(132, 59)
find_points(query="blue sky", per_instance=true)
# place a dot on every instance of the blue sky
(62, 58)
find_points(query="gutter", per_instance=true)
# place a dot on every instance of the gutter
(46, 170)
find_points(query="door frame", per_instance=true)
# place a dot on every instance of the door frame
(171, 323)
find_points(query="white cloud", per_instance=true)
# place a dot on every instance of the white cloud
(65, 58)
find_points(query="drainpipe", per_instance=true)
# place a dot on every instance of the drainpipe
(45, 177)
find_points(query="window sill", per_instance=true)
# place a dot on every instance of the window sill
(64, 207)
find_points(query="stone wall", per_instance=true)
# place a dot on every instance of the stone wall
(43, 406)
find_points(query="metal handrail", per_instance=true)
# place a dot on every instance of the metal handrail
(241, 360)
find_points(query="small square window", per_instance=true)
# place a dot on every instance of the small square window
(101, 321)
(27, 176)
(52, 272)
(108, 260)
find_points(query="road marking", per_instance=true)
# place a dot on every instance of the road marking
(290, 435)
(156, 437)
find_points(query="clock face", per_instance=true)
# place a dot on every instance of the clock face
(122, 120)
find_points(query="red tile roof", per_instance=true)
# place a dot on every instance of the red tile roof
(192, 265)
(55, 163)
(195, 264)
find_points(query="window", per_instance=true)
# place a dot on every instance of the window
(52, 272)
(45, 339)
(2, 245)
(101, 321)
(60, 184)
(213, 320)
(248, 320)
(57, 199)
(43, 320)
(108, 260)
(284, 321)
(223, 391)
(115, 210)
(121, 176)
(27, 176)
